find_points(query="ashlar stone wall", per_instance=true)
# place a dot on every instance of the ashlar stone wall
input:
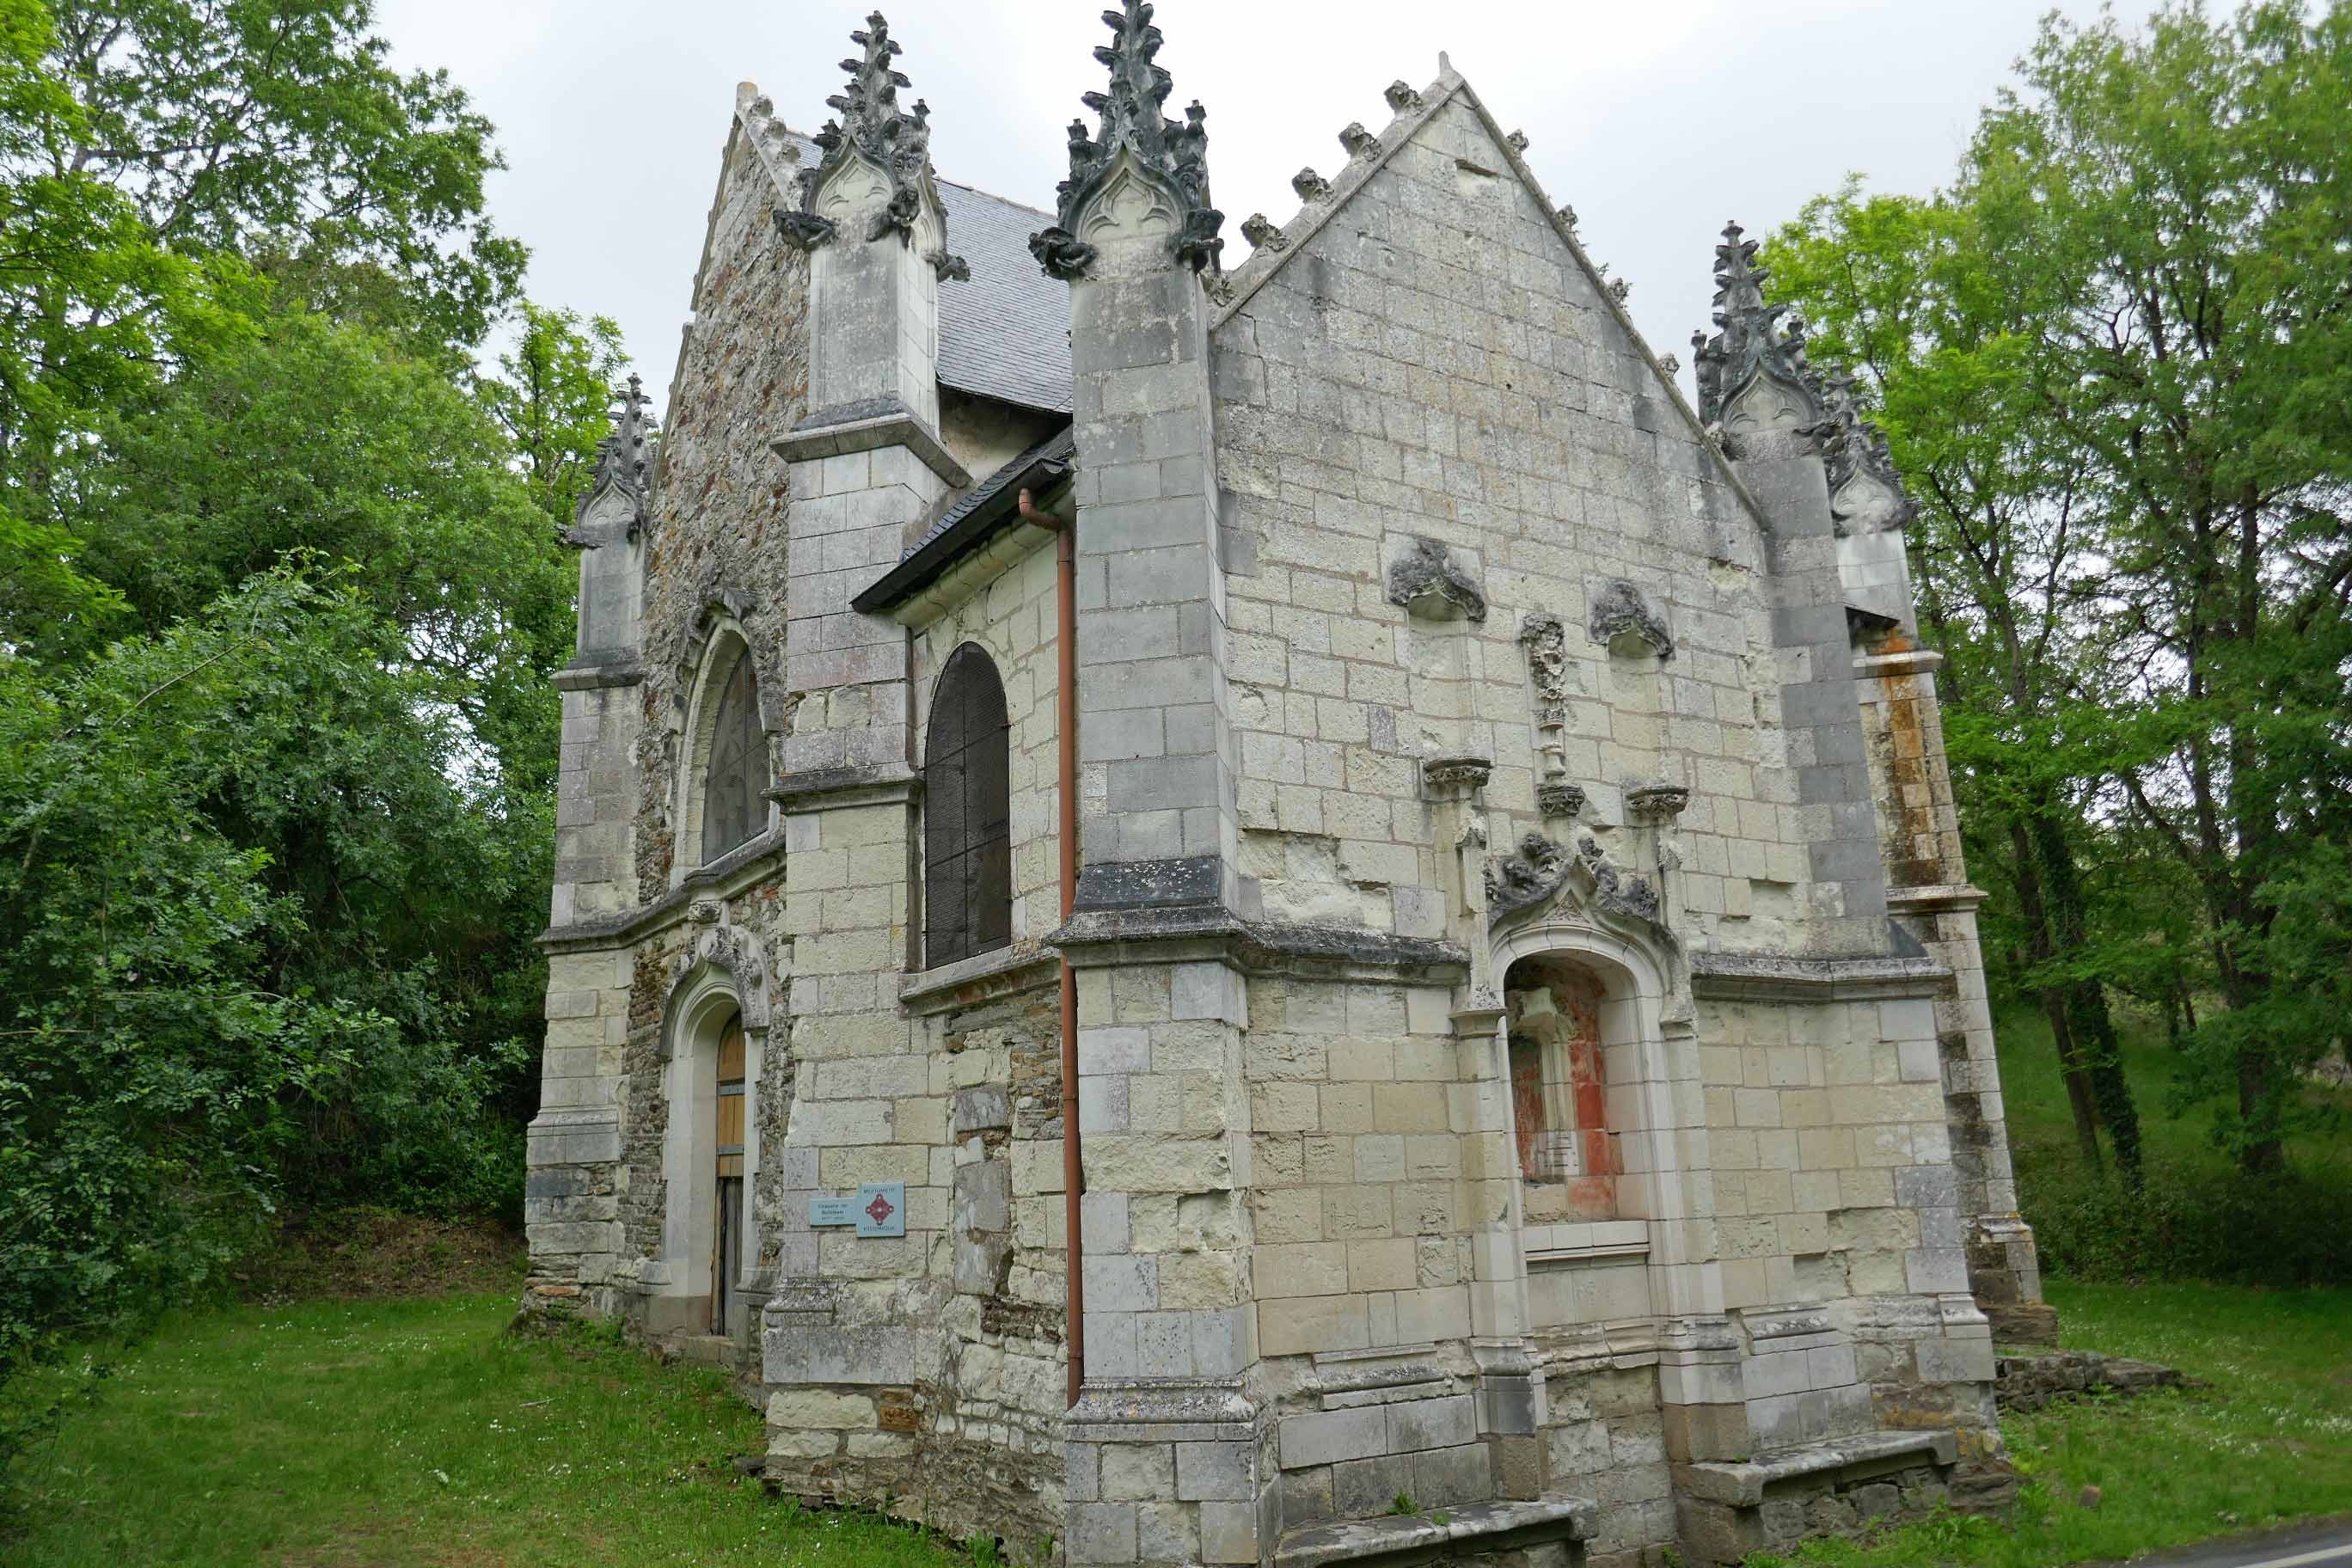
(1434, 364)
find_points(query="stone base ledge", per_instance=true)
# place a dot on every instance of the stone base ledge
(1470, 1530)
(1741, 1483)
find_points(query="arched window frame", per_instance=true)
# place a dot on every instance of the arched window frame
(967, 869)
(724, 648)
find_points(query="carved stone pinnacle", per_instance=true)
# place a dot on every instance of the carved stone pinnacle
(1133, 119)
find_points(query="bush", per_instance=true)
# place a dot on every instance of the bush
(2193, 1222)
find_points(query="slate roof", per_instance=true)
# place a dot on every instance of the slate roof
(1005, 333)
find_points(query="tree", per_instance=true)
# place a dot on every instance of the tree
(2114, 355)
(274, 130)
(554, 398)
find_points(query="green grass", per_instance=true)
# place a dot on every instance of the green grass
(2271, 1441)
(390, 1432)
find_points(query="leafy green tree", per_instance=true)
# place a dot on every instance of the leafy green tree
(324, 437)
(553, 397)
(2115, 357)
(275, 130)
(151, 1077)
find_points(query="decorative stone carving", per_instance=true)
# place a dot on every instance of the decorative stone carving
(1310, 185)
(875, 132)
(1545, 638)
(1403, 97)
(951, 269)
(1621, 288)
(1866, 493)
(624, 463)
(1517, 142)
(1359, 142)
(1537, 872)
(1671, 363)
(1568, 218)
(1557, 798)
(1619, 610)
(1753, 376)
(1135, 134)
(1450, 775)
(1427, 582)
(704, 911)
(1262, 234)
(1656, 803)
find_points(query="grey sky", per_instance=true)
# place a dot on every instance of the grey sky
(1655, 122)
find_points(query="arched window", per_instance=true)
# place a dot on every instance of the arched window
(967, 834)
(734, 781)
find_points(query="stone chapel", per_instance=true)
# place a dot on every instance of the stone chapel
(1276, 915)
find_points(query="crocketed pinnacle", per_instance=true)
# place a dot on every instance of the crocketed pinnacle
(1751, 341)
(1173, 157)
(872, 127)
(624, 459)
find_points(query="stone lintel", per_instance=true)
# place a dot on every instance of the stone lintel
(1889, 666)
(1937, 898)
(864, 427)
(823, 789)
(592, 671)
(1163, 1410)
(1468, 1529)
(1000, 973)
(1740, 1484)
(1772, 977)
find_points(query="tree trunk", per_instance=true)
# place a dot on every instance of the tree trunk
(2079, 1094)
(2086, 999)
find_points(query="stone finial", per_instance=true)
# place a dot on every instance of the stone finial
(1134, 123)
(1262, 234)
(1753, 378)
(1403, 97)
(1359, 142)
(624, 462)
(874, 130)
(1310, 185)
(1866, 493)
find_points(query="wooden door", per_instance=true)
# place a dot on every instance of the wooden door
(727, 1240)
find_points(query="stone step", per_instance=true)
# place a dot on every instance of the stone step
(1741, 1482)
(1469, 1532)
